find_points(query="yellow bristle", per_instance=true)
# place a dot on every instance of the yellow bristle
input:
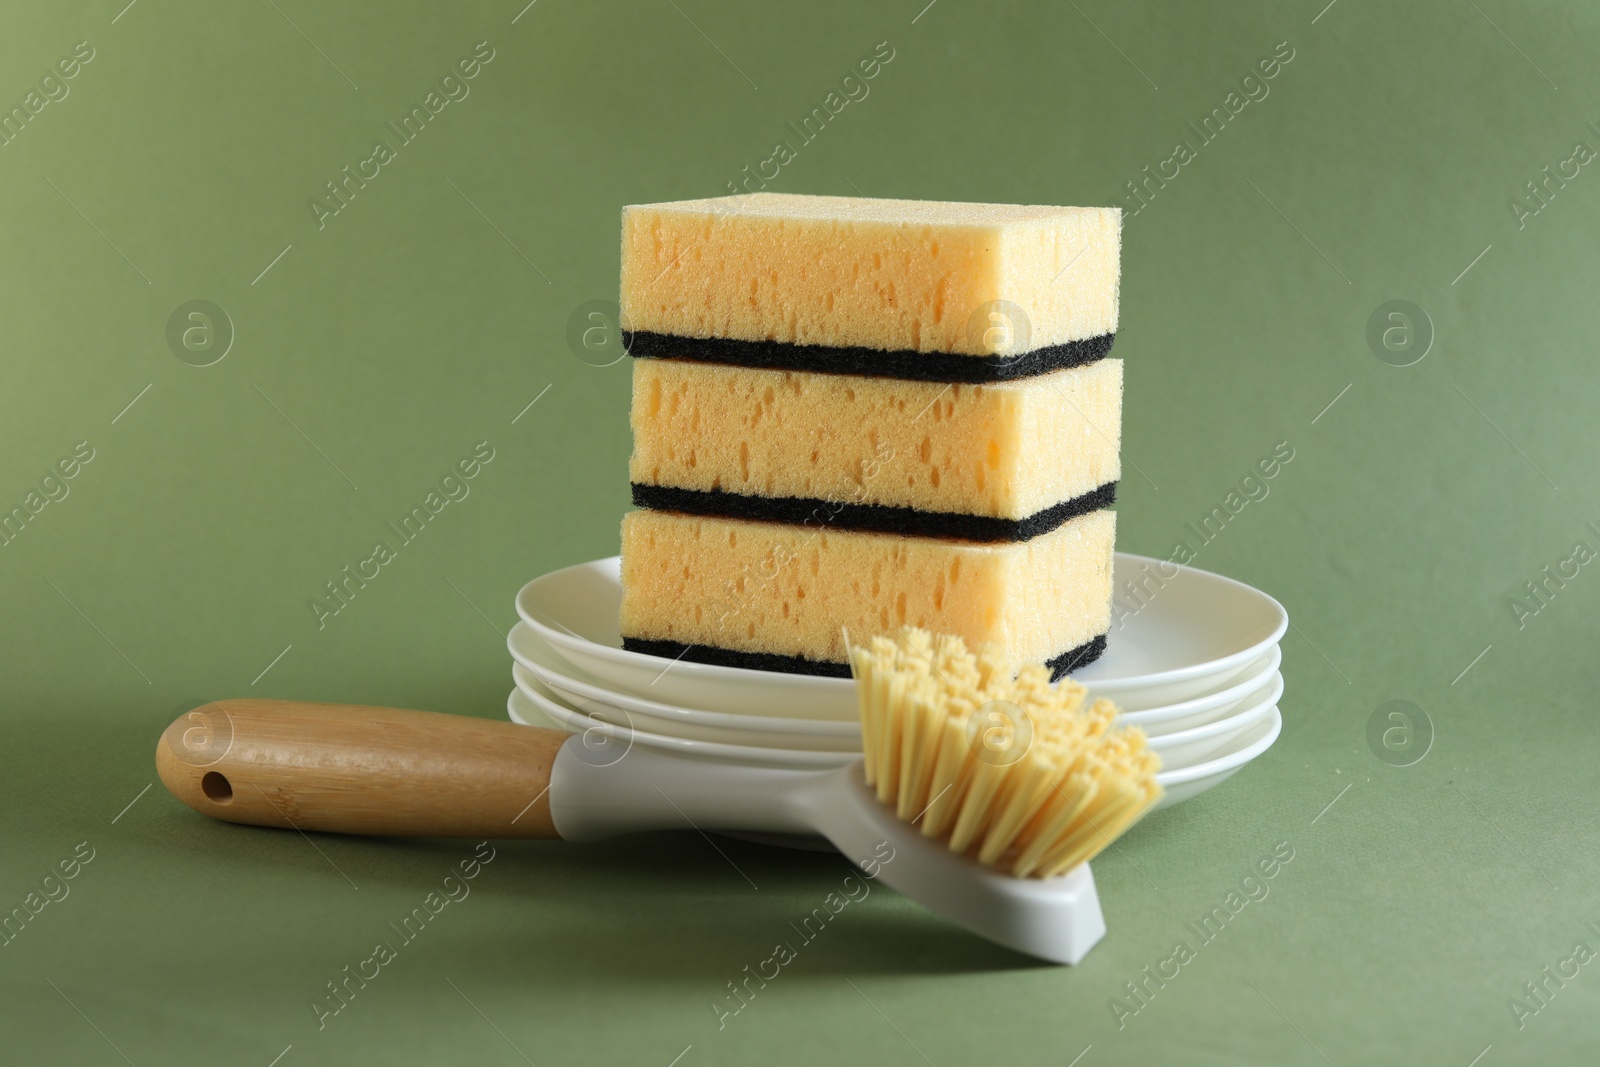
(916, 752)
(997, 762)
(949, 772)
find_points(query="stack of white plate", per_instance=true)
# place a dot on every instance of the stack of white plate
(1192, 659)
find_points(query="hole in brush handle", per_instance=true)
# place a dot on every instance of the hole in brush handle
(217, 787)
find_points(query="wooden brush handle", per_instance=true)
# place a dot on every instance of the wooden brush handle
(349, 769)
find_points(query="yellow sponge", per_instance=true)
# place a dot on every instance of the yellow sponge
(782, 596)
(1009, 450)
(887, 275)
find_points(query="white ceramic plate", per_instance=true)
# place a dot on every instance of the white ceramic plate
(671, 726)
(1170, 718)
(1178, 749)
(531, 701)
(1184, 748)
(1195, 633)
(567, 682)
(1180, 784)
(1186, 632)
(1190, 782)
(1181, 733)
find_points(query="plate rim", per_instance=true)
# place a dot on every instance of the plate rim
(1206, 701)
(1233, 760)
(1215, 726)
(699, 716)
(718, 750)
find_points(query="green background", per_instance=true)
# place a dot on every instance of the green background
(429, 312)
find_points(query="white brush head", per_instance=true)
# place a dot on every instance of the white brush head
(1056, 919)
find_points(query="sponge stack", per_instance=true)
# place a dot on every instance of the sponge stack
(853, 415)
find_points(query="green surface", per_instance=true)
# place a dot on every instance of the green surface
(414, 324)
